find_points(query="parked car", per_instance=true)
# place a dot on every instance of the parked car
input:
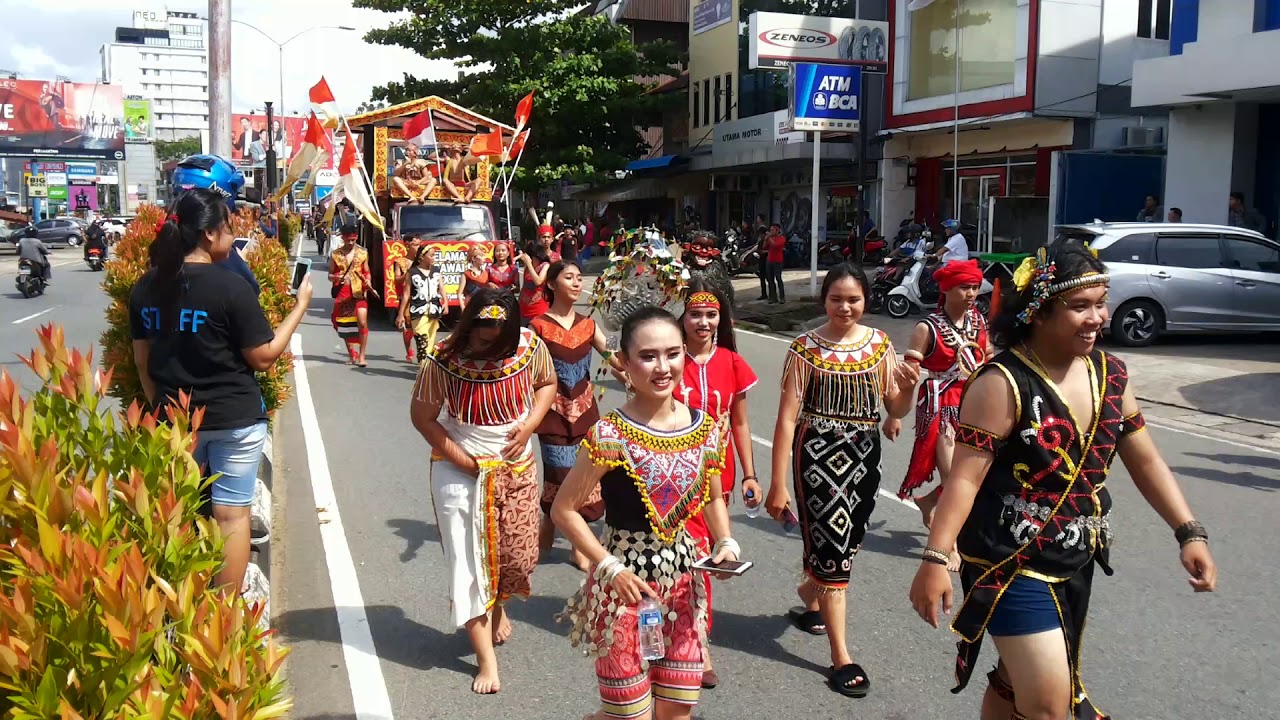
(1184, 278)
(63, 230)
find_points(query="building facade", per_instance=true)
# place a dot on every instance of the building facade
(1220, 84)
(164, 57)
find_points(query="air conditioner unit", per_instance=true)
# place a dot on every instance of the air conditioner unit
(1138, 136)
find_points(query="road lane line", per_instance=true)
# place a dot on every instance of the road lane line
(33, 316)
(364, 671)
(883, 493)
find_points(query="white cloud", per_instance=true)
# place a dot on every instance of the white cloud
(64, 37)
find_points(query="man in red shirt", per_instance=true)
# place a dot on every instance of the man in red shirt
(775, 245)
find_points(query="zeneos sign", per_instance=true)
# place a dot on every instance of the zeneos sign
(825, 97)
(776, 40)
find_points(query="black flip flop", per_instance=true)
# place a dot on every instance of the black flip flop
(840, 679)
(809, 621)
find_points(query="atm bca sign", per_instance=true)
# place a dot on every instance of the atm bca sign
(825, 97)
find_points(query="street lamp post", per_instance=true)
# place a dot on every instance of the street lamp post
(280, 63)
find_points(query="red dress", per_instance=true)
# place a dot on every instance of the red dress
(532, 302)
(956, 352)
(712, 387)
(502, 277)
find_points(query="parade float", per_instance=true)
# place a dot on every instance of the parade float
(434, 183)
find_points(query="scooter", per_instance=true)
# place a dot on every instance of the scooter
(30, 281)
(731, 254)
(96, 261)
(888, 276)
(911, 295)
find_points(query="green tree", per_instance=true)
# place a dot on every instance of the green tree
(170, 150)
(587, 72)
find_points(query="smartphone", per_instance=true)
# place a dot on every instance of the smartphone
(729, 567)
(241, 244)
(301, 268)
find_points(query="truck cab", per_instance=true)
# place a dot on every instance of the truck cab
(453, 229)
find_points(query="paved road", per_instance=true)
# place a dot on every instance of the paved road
(1149, 637)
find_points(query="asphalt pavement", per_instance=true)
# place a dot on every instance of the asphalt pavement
(1152, 650)
(386, 648)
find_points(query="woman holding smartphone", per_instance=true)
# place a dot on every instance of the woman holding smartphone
(657, 462)
(197, 330)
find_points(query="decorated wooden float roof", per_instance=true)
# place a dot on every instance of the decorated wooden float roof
(447, 116)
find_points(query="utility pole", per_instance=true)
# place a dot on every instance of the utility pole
(271, 151)
(220, 77)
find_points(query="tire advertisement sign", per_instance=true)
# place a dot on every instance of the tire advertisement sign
(61, 119)
(776, 40)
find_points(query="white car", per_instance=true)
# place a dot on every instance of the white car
(1185, 278)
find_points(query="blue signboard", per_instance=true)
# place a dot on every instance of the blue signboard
(825, 97)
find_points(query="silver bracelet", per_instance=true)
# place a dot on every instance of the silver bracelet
(727, 544)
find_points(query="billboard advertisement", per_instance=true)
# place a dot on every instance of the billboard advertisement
(776, 40)
(137, 120)
(250, 139)
(825, 97)
(61, 119)
(83, 196)
(711, 14)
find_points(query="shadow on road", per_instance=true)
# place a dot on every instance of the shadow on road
(407, 373)
(1269, 482)
(416, 534)
(398, 639)
(1256, 395)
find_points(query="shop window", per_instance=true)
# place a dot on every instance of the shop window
(1022, 180)
(987, 45)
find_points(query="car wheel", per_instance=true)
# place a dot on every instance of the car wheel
(1137, 323)
(73, 241)
(898, 306)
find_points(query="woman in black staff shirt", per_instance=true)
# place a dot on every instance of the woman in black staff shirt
(197, 327)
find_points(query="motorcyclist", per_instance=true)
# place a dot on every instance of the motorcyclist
(218, 174)
(913, 243)
(95, 237)
(31, 249)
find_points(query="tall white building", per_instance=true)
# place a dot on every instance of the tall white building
(164, 58)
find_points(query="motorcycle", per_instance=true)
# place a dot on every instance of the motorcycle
(888, 276)
(913, 294)
(30, 281)
(95, 260)
(731, 254)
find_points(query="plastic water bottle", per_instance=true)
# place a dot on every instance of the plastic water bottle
(652, 645)
(753, 505)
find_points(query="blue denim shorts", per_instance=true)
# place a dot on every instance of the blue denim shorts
(233, 455)
(1026, 608)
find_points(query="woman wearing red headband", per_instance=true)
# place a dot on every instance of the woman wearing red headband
(716, 381)
(951, 343)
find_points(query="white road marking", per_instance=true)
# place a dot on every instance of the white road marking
(882, 492)
(364, 671)
(33, 316)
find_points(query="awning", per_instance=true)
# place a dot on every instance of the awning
(653, 163)
(632, 189)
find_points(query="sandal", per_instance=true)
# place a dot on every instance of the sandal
(809, 621)
(710, 679)
(842, 681)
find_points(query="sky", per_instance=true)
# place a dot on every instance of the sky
(64, 37)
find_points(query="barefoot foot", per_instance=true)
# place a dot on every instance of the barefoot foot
(486, 682)
(501, 625)
(581, 561)
(546, 534)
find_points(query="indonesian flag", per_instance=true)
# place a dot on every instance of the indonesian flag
(353, 188)
(324, 104)
(487, 144)
(312, 154)
(523, 111)
(420, 130)
(517, 147)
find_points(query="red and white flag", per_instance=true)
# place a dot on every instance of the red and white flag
(420, 130)
(324, 104)
(351, 181)
(524, 109)
(517, 146)
(311, 155)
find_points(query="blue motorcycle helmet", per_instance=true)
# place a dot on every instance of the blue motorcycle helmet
(212, 172)
(950, 224)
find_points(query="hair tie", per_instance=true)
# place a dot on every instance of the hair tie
(166, 219)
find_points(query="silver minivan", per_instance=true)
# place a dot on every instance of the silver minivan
(1181, 278)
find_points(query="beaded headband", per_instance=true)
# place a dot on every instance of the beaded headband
(492, 312)
(702, 300)
(1038, 272)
